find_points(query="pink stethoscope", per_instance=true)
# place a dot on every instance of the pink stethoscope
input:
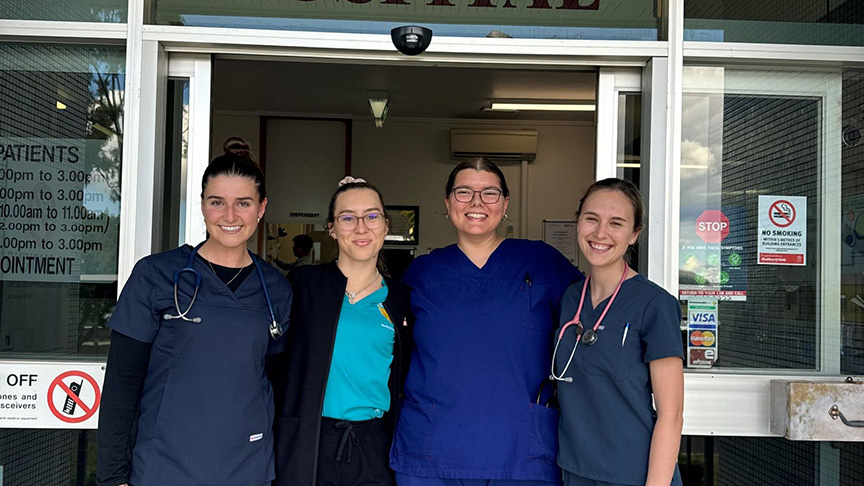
(589, 336)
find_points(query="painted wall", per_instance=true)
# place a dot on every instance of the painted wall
(409, 162)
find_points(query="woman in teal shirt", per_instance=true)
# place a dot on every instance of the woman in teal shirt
(338, 383)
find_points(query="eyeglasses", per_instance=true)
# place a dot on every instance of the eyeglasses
(488, 196)
(371, 220)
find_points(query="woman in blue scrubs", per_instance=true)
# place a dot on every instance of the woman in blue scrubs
(485, 312)
(186, 401)
(625, 333)
(338, 386)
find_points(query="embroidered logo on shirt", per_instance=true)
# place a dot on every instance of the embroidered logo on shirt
(254, 437)
(389, 324)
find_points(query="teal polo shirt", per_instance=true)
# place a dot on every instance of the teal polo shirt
(362, 355)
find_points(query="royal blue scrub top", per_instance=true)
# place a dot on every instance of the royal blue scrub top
(206, 408)
(607, 416)
(483, 341)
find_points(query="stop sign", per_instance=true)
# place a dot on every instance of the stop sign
(712, 226)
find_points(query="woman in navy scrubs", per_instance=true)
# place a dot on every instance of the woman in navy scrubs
(186, 400)
(338, 386)
(628, 349)
(485, 312)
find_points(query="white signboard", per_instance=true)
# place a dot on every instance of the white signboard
(562, 235)
(39, 395)
(57, 215)
(782, 230)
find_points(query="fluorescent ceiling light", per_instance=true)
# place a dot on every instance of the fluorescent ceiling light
(380, 105)
(541, 106)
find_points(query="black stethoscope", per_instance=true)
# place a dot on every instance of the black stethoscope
(275, 328)
(589, 337)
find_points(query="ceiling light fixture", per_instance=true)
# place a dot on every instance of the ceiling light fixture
(541, 105)
(380, 105)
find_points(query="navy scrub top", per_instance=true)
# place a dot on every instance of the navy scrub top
(482, 349)
(206, 408)
(607, 415)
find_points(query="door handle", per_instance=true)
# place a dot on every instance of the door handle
(835, 413)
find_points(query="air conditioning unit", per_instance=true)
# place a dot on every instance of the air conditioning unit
(496, 145)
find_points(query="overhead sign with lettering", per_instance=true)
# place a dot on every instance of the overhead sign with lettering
(581, 13)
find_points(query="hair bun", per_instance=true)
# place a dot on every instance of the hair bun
(351, 180)
(237, 146)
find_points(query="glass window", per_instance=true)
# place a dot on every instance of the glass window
(112, 11)
(61, 130)
(852, 210)
(828, 22)
(628, 162)
(757, 243)
(543, 19)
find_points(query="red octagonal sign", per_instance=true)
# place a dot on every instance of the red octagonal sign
(712, 226)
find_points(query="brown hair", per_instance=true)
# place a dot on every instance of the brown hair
(624, 187)
(381, 264)
(480, 164)
(237, 161)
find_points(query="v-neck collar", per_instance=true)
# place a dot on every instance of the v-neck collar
(602, 304)
(219, 287)
(492, 263)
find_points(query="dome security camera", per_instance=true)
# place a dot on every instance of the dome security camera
(411, 39)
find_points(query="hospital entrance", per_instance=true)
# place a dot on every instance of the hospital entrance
(310, 124)
(401, 125)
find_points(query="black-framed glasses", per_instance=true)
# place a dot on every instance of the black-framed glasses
(488, 196)
(371, 220)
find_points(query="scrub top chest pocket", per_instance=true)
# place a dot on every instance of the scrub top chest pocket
(536, 305)
(613, 354)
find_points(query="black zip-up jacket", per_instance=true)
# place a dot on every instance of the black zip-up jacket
(299, 376)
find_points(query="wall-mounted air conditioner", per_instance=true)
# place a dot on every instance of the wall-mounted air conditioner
(496, 145)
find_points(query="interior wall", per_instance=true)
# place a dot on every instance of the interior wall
(234, 125)
(408, 160)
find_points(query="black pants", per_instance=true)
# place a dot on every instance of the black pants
(354, 453)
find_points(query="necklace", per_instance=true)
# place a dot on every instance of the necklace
(232, 278)
(353, 295)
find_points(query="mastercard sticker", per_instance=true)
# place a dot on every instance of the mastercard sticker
(706, 339)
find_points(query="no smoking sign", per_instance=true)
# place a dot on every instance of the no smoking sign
(782, 213)
(782, 230)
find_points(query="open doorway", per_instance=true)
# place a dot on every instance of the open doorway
(310, 124)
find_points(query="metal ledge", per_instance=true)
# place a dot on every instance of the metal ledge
(64, 32)
(379, 48)
(798, 55)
